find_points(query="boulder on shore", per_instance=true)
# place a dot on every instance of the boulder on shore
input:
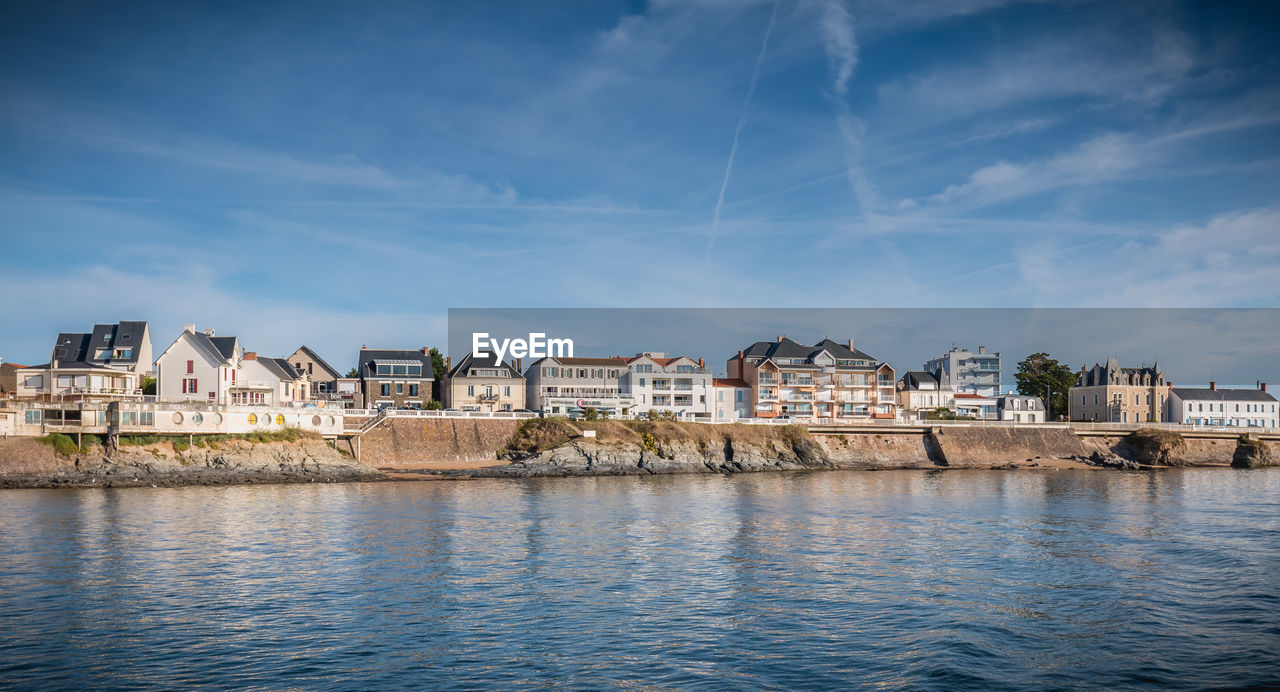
(1251, 453)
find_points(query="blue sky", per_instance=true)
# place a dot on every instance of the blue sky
(342, 173)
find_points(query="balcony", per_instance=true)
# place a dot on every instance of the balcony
(768, 379)
(797, 382)
(661, 387)
(684, 388)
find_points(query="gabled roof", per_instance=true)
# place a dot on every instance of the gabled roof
(281, 368)
(1222, 394)
(729, 382)
(320, 361)
(210, 345)
(368, 355)
(488, 361)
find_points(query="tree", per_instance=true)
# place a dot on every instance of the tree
(1039, 375)
(353, 373)
(438, 372)
(149, 385)
(591, 413)
(434, 406)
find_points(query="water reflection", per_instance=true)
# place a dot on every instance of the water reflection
(895, 578)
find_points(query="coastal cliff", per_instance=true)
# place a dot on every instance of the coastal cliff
(556, 447)
(56, 461)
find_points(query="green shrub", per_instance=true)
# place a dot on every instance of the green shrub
(139, 440)
(62, 445)
(180, 445)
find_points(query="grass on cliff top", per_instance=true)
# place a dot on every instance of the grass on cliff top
(65, 446)
(1247, 441)
(541, 434)
(180, 442)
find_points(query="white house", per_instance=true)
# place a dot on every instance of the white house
(1020, 408)
(920, 393)
(199, 366)
(1242, 408)
(680, 385)
(732, 399)
(269, 382)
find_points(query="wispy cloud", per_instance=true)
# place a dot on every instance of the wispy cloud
(737, 131)
(841, 48)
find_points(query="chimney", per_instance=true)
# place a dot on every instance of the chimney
(426, 350)
(779, 339)
(982, 350)
(251, 355)
(1263, 386)
(850, 344)
(191, 328)
(1213, 386)
(741, 355)
(700, 363)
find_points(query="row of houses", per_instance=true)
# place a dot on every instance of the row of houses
(782, 378)
(1115, 394)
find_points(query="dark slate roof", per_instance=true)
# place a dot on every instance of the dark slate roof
(211, 347)
(226, 345)
(788, 348)
(281, 367)
(1223, 394)
(368, 355)
(490, 360)
(915, 378)
(841, 351)
(77, 350)
(324, 365)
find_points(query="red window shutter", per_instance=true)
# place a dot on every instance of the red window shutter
(194, 387)
(191, 366)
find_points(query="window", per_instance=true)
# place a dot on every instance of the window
(399, 388)
(641, 381)
(413, 390)
(384, 369)
(32, 416)
(1095, 399)
(737, 395)
(506, 390)
(415, 370)
(720, 395)
(386, 389)
(190, 385)
(471, 390)
(191, 366)
(35, 381)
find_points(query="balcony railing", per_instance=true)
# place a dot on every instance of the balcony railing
(797, 382)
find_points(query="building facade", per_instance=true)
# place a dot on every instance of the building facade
(1237, 408)
(269, 382)
(570, 386)
(965, 372)
(200, 366)
(1114, 394)
(109, 363)
(322, 376)
(826, 380)
(484, 384)
(732, 399)
(395, 377)
(920, 395)
(679, 386)
(1020, 408)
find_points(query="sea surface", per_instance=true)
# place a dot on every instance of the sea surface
(892, 579)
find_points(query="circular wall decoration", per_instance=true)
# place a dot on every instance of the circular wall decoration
(330, 421)
(253, 419)
(197, 418)
(315, 420)
(177, 418)
(217, 419)
(279, 419)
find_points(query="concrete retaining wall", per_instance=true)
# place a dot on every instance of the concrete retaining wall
(409, 441)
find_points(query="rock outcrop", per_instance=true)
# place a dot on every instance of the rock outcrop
(1251, 453)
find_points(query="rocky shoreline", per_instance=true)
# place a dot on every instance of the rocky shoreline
(557, 448)
(28, 463)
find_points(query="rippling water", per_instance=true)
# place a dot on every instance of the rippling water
(901, 579)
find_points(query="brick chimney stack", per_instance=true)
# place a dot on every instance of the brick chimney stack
(850, 344)
(251, 355)
(1213, 386)
(1263, 386)
(779, 339)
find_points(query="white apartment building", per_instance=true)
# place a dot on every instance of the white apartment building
(680, 386)
(966, 372)
(1240, 408)
(570, 386)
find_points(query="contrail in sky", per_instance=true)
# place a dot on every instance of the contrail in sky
(742, 122)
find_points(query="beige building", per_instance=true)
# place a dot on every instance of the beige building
(1114, 394)
(322, 376)
(484, 384)
(826, 380)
